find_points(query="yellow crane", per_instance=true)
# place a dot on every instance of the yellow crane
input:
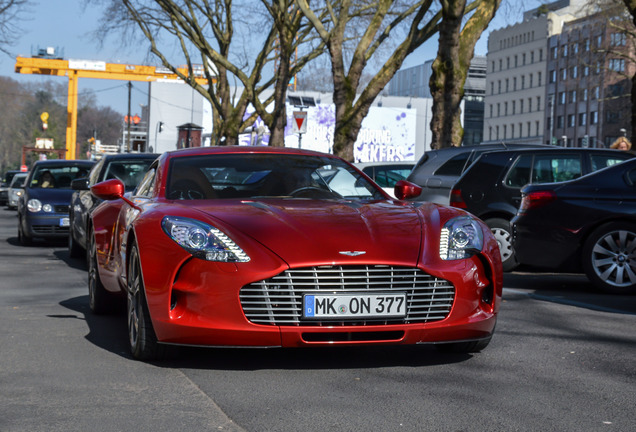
(76, 69)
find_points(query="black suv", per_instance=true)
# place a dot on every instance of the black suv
(437, 170)
(491, 187)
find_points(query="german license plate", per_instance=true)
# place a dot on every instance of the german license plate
(377, 305)
(64, 222)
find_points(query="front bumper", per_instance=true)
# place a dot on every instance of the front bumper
(46, 225)
(203, 307)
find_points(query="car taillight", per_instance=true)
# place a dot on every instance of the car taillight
(535, 200)
(456, 199)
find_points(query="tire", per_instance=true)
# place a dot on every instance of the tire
(141, 335)
(74, 249)
(609, 258)
(23, 238)
(464, 347)
(500, 228)
(100, 301)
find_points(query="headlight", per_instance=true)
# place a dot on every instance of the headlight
(34, 205)
(202, 240)
(460, 238)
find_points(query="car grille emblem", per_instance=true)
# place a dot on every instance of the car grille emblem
(352, 253)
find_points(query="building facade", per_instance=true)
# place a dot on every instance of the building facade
(515, 101)
(588, 86)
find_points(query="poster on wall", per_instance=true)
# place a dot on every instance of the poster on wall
(387, 133)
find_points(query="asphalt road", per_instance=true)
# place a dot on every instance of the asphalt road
(563, 359)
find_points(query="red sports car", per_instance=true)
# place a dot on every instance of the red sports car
(274, 247)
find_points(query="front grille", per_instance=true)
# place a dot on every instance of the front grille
(49, 229)
(278, 300)
(61, 208)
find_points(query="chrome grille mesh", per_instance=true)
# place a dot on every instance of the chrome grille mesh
(278, 301)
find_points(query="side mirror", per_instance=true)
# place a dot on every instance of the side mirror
(108, 190)
(406, 190)
(80, 184)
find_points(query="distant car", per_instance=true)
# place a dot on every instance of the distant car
(437, 170)
(491, 187)
(43, 210)
(583, 225)
(127, 167)
(16, 189)
(4, 186)
(270, 246)
(387, 174)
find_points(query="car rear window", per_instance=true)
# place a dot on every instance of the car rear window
(454, 166)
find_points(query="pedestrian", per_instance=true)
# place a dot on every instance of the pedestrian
(621, 143)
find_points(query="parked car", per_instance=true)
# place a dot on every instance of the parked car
(127, 167)
(4, 186)
(387, 174)
(491, 188)
(437, 170)
(583, 225)
(43, 210)
(252, 246)
(16, 189)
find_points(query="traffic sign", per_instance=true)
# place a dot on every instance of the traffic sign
(300, 122)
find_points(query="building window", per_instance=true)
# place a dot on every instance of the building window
(523, 82)
(490, 106)
(582, 119)
(520, 130)
(492, 88)
(529, 104)
(584, 94)
(492, 66)
(513, 107)
(514, 83)
(499, 86)
(586, 44)
(523, 59)
(498, 110)
(561, 98)
(530, 80)
(528, 128)
(531, 56)
(497, 131)
(617, 65)
(516, 61)
(559, 122)
(507, 62)
(572, 96)
(555, 52)
(538, 103)
(597, 93)
(500, 63)
(507, 85)
(505, 132)
(594, 117)
(586, 70)
(617, 39)
(512, 131)
(574, 71)
(553, 76)
(599, 41)
(537, 128)
(541, 54)
(505, 108)
(548, 123)
(539, 79)
(565, 50)
(612, 116)
(571, 119)
(564, 74)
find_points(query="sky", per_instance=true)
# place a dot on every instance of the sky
(67, 26)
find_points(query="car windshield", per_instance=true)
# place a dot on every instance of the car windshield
(56, 177)
(266, 176)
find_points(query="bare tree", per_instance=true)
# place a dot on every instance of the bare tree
(205, 33)
(450, 68)
(11, 12)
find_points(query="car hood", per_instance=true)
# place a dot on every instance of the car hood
(52, 196)
(325, 232)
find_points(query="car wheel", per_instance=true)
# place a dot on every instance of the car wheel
(503, 234)
(99, 300)
(609, 258)
(23, 238)
(141, 335)
(74, 250)
(464, 347)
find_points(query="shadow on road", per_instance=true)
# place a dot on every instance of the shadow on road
(109, 333)
(571, 289)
